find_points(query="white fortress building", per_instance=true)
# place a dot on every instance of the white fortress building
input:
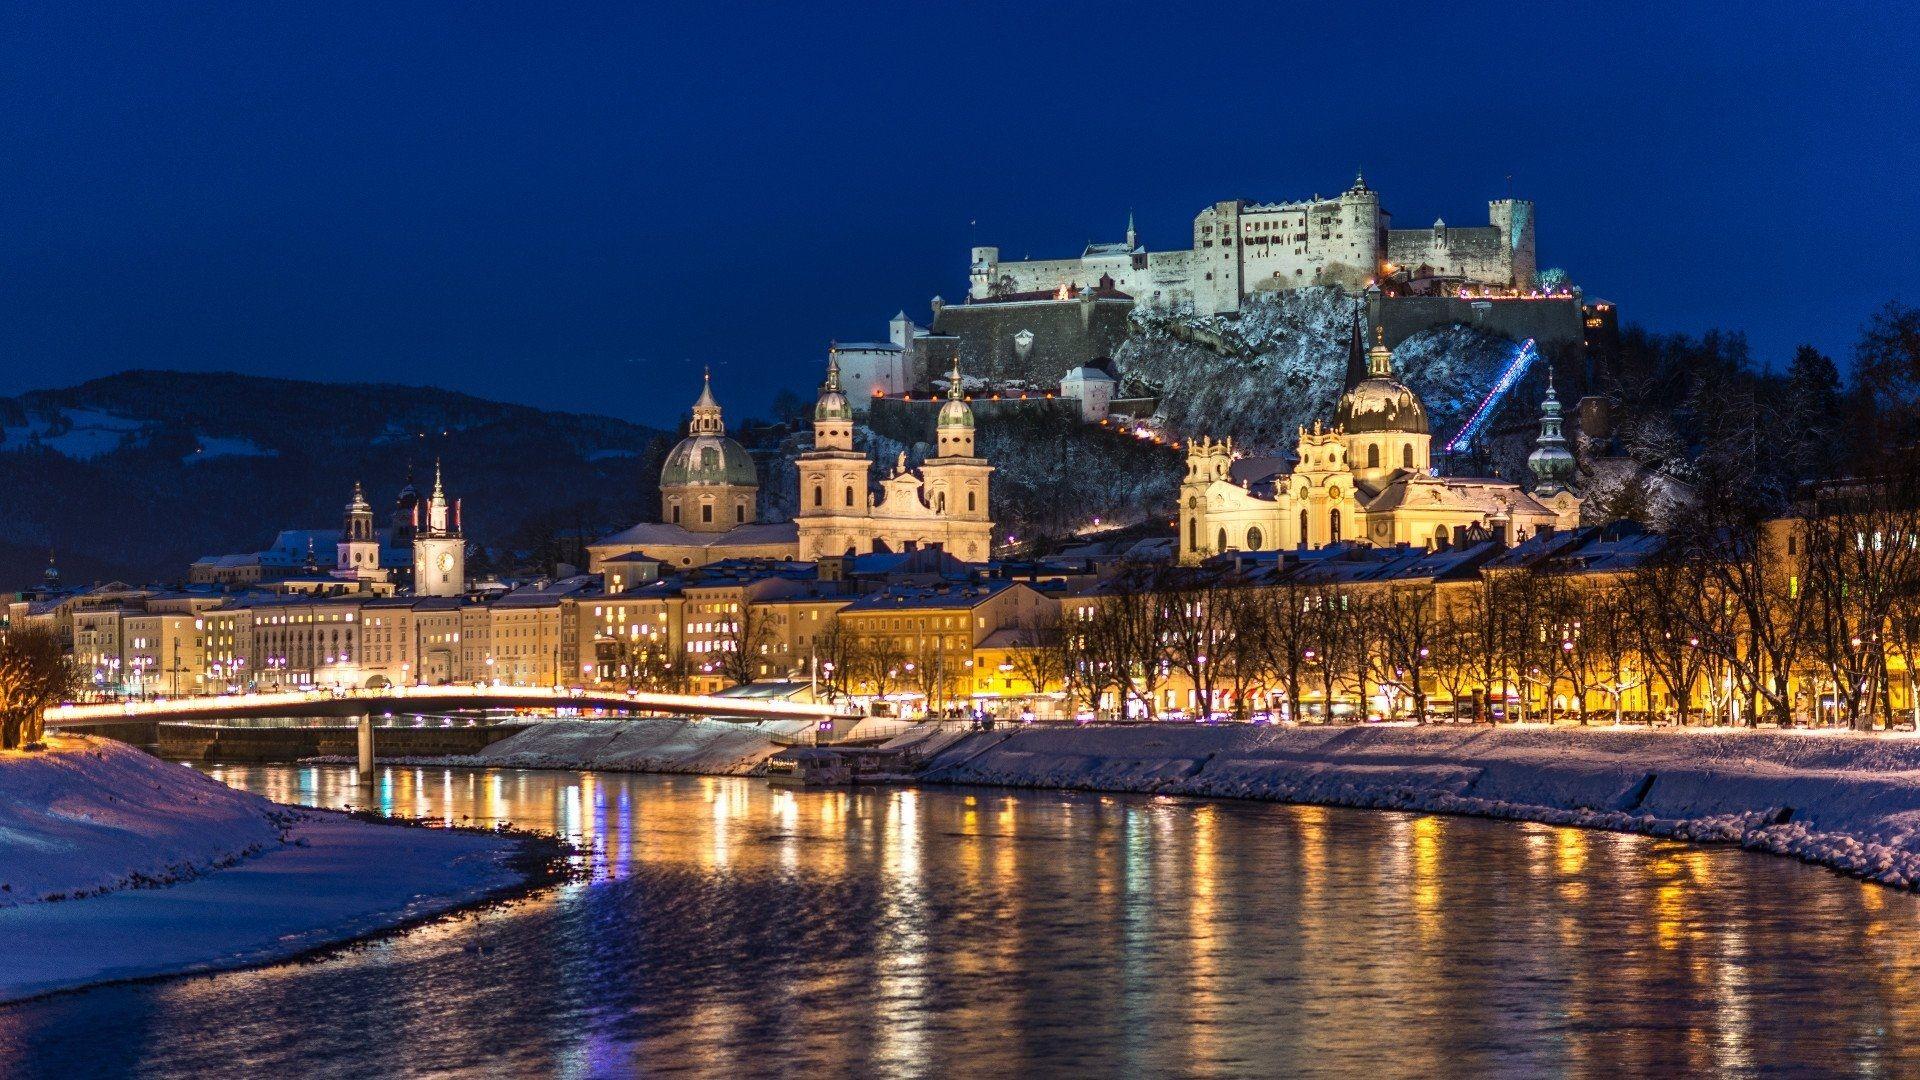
(1240, 248)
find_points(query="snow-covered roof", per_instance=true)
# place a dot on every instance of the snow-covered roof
(662, 534)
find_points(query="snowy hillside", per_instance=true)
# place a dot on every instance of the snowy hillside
(1282, 363)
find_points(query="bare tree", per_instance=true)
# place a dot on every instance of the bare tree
(1284, 626)
(35, 674)
(1405, 628)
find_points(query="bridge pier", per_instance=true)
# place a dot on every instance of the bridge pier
(366, 748)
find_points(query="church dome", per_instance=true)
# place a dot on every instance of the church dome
(955, 413)
(832, 405)
(708, 460)
(1381, 405)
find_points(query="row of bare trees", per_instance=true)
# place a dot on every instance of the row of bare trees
(1810, 619)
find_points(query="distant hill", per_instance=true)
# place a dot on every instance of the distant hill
(135, 475)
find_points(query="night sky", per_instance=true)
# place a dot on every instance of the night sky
(579, 210)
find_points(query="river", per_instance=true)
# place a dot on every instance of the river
(730, 929)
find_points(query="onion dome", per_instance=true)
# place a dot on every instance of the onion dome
(706, 456)
(1380, 402)
(833, 404)
(1552, 464)
(956, 412)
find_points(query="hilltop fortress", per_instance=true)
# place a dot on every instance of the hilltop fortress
(1240, 248)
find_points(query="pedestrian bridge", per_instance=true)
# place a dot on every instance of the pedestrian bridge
(359, 702)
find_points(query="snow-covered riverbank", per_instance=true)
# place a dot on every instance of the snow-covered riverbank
(1849, 802)
(651, 744)
(116, 865)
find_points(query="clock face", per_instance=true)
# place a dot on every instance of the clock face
(446, 562)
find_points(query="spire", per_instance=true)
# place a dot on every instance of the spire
(833, 373)
(706, 409)
(439, 492)
(1133, 240)
(1356, 353)
(1552, 464)
(956, 390)
(1379, 359)
(1359, 181)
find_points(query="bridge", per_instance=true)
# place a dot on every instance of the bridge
(360, 702)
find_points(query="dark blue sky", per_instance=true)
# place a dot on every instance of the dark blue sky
(578, 210)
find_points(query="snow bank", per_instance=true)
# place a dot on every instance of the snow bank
(338, 879)
(93, 815)
(1849, 802)
(653, 744)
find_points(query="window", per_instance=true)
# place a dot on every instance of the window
(969, 502)
(676, 515)
(1303, 524)
(1373, 457)
(849, 494)
(1253, 539)
(1333, 526)
(740, 512)
(1193, 532)
(1223, 539)
(1440, 538)
(706, 511)
(1406, 456)
(819, 495)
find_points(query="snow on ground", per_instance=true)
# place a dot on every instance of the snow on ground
(93, 815)
(115, 864)
(1850, 802)
(339, 879)
(219, 446)
(653, 744)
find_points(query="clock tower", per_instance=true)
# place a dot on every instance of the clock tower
(439, 551)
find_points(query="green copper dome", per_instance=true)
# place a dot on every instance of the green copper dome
(708, 460)
(955, 413)
(832, 405)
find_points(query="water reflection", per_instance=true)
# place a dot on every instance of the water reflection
(730, 929)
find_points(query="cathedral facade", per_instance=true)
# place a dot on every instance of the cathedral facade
(943, 503)
(709, 493)
(1367, 478)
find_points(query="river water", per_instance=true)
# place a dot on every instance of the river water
(732, 930)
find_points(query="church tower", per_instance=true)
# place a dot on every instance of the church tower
(439, 551)
(835, 500)
(1552, 464)
(708, 483)
(956, 481)
(358, 553)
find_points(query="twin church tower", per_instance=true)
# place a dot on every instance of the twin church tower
(709, 491)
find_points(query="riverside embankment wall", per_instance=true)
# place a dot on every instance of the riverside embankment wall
(1847, 801)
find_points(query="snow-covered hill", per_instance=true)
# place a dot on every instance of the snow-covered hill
(1281, 364)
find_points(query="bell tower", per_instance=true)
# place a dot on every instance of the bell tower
(956, 481)
(836, 505)
(358, 553)
(439, 551)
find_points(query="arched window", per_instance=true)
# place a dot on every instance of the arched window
(1406, 456)
(969, 502)
(1440, 538)
(1303, 528)
(1223, 539)
(706, 511)
(740, 512)
(849, 494)
(819, 495)
(676, 515)
(1373, 457)
(940, 502)
(1253, 539)
(1333, 526)
(1193, 533)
